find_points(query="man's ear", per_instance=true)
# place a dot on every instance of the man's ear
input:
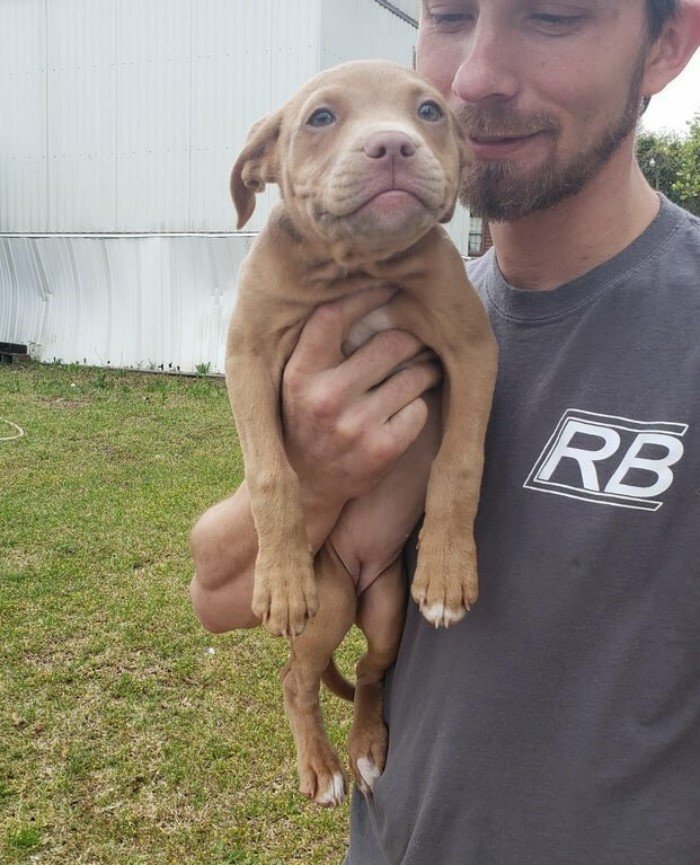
(257, 165)
(673, 48)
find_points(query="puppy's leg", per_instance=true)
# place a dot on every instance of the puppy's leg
(320, 774)
(284, 591)
(455, 325)
(380, 615)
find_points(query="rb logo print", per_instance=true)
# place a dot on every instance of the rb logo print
(609, 460)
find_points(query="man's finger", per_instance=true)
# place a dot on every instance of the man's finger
(404, 388)
(325, 331)
(376, 360)
(401, 430)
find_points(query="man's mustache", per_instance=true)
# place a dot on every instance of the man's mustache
(503, 122)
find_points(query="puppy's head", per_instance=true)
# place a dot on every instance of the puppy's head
(367, 156)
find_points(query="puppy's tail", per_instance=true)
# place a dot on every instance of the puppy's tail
(335, 682)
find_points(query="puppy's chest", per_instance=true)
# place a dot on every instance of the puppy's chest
(363, 330)
(282, 284)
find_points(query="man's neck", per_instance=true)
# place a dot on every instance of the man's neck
(554, 246)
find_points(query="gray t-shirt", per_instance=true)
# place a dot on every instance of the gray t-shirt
(559, 723)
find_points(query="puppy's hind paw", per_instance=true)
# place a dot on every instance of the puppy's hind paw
(368, 771)
(367, 747)
(334, 794)
(322, 779)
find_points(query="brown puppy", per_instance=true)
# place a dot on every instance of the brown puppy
(367, 157)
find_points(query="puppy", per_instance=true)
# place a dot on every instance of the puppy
(367, 157)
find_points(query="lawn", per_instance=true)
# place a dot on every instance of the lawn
(128, 734)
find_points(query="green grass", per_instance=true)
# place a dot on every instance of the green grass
(123, 737)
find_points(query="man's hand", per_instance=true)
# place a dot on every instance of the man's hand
(348, 420)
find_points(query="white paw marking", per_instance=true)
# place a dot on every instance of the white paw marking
(369, 772)
(438, 614)
(335, 792)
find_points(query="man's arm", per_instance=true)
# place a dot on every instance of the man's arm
(346, 423)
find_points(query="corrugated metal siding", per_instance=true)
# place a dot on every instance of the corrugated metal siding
(125, 117)
(362, 29)
(23, 127)
(120, 301)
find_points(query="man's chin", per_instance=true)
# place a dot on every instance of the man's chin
(499, 194)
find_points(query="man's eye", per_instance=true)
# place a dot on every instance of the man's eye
(321, 117)
(450, 22)
(556, 23)
(430, 110)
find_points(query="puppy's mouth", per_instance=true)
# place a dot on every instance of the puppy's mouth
(391, 199)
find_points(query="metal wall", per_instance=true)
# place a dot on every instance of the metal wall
(356, 29)
(125, 116)
(138, 301)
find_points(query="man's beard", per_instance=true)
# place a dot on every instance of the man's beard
(498, 191)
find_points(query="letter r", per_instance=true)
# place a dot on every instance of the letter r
(585, 458)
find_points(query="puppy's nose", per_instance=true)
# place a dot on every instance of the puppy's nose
(383, 145)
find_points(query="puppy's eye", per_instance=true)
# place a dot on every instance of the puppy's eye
(430, 110)
(321, 117)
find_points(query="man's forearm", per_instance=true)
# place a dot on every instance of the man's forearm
(224, 544)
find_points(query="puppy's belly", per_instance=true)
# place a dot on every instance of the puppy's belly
(373, 528)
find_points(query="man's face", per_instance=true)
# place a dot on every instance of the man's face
(546, 90)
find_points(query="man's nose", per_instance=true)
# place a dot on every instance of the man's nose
(487, 71)
(389, 144)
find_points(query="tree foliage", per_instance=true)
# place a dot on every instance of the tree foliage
(671, 163)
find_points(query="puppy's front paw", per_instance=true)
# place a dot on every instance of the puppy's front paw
(445, 585)
(285, 598)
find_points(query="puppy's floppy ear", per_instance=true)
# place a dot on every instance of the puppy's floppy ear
(257, 165)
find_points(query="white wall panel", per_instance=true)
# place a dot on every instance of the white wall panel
(122, 301)
(231, 65)
(23, 139)
(81, 121)
(153, 103)
(125, 116)
(362, 29)
(252, 57)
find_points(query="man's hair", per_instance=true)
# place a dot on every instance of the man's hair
(658, 13)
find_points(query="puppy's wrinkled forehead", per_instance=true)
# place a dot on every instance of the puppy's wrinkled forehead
(362, 91)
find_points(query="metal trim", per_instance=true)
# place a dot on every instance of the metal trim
(404, 16)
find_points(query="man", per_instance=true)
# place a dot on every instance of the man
(559, 724)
